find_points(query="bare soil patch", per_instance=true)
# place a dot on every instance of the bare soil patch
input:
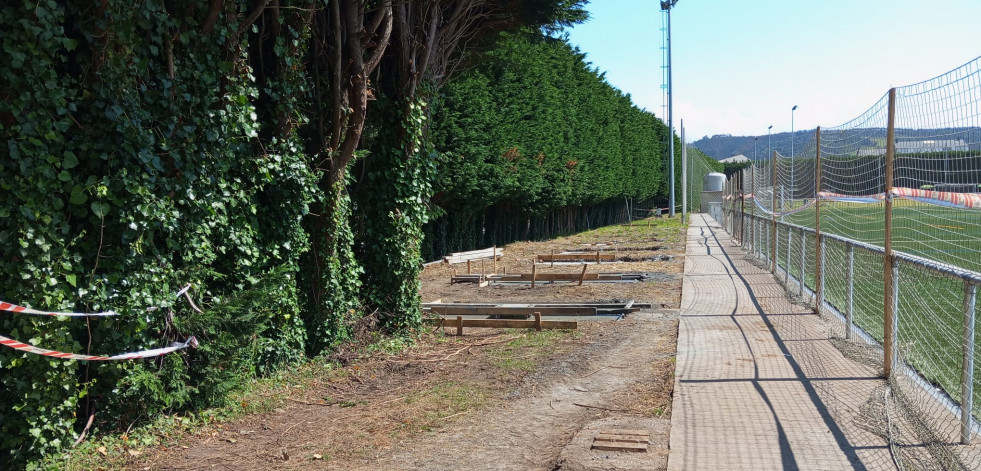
(492, 399)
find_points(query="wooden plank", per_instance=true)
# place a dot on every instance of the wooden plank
(471, 252)
(459, 322)
(456, 260)
(616, 446)
(596, 305)
(450, 310)
(623, 438)
(551, 277)
(575, 257)
(611, 431)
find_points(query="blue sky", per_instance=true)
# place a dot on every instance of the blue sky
(740, 66)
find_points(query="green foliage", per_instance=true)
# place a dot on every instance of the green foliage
(533, 142)
(398, 178)
(133, 164)
(149, 146)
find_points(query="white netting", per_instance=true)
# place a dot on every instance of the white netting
(935, 198)
(699, 165)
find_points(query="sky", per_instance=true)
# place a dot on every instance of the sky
(740, 66)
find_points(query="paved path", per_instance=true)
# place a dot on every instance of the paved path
(758, 385)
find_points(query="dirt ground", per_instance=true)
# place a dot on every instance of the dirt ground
(491, 399)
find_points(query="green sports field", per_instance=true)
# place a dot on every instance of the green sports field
(931, 307)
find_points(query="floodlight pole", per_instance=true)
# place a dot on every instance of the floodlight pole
(666, 6)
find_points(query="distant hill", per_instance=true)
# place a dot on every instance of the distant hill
(722, 146)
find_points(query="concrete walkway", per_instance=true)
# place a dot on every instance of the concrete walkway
(758, 385)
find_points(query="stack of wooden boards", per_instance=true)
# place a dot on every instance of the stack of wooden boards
(503, 315)
(462, 257)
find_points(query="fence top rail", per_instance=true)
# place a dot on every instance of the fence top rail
(940, 268)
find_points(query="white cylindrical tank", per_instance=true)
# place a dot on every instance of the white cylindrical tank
(713, 186)
(714, 182)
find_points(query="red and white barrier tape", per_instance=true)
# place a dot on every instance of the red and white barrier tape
(26, 310)
(25, 347)
(191, 342)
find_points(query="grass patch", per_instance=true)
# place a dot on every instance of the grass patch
(440, 401)
(524, 353)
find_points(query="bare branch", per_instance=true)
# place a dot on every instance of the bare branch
(252, 17)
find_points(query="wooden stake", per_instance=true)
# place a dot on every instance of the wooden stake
(597, 256)
(583, 274)
(534, 270)
(459, 326)
(468, 267)
(553, 258)
(538, 321)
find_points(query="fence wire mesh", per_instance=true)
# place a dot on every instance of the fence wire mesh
(844, 187)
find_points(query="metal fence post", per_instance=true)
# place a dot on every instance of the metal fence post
(818, 242)
(890, 269)
(819, 276)
(850, 315)
(773, 214)
(967, 372)
(803, 244)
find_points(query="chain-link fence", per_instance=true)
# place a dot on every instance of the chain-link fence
(877, 222)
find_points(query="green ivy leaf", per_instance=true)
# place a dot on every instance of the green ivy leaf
(78, 195)
(70, 161)
(99, 209)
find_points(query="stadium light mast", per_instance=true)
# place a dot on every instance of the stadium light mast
(754, 148)
(666, 7)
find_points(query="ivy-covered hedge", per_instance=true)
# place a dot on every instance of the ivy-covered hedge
(139, 155)
(533, 142)
(171, 142)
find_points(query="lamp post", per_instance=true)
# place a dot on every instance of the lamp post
(666, 7)
(754, 148)
(769, 151)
